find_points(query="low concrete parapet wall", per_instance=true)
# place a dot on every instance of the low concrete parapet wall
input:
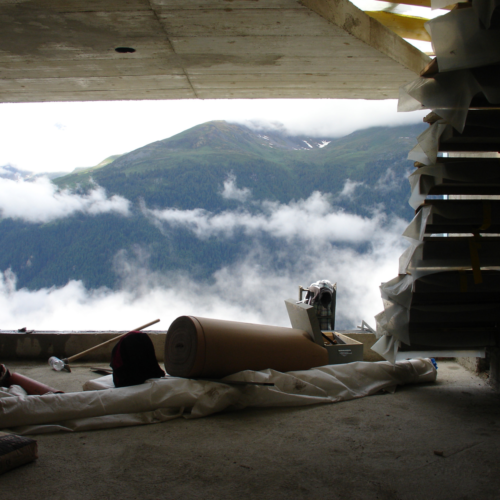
(42, 345)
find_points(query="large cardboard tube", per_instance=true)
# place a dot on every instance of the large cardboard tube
(200, 347)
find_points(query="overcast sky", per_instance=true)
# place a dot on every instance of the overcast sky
(53, 137)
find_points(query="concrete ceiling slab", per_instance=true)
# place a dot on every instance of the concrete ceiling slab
(54, 50)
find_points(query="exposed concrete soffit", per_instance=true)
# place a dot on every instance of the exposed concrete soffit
(55, 50)
(367, 29)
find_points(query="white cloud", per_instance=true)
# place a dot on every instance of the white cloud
(63, 136)
(312, 219)
(41, 201)
(392, 179)
(251, 290)
(349, 188)
(232, 192)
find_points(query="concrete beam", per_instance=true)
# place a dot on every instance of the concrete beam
(63, 51)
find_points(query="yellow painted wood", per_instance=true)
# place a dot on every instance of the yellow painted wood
(419, 3)
(404, 26)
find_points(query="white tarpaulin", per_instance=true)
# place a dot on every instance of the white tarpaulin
(159, 400)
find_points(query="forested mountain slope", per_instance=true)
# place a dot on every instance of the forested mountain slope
(219, 168)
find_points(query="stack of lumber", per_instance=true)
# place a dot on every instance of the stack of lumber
(446, 297)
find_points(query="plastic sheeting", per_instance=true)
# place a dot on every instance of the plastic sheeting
(460, 42)
(426, 150)
(463, 48)
(160, 400)
(448, 94)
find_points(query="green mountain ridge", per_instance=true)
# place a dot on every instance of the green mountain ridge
(188, 171)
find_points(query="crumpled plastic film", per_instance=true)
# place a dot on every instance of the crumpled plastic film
(387, 346)
(398, 290)
(460, 42)
(163, 399)
(448, 94)
(426, 150)
(393, 321)
(416, 229)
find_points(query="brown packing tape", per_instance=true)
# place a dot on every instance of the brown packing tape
(201, 347)
(486, 216)
(474, 246)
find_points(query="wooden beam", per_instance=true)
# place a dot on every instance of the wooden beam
(404, 26)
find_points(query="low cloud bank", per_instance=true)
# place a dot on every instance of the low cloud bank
(251, 290)
(41, 201)
(312, 219)
(315, 240)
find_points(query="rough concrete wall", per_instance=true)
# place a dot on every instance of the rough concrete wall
(22, 346)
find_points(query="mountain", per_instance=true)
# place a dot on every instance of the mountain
(216, 167)
(13, 173)
(186, 171)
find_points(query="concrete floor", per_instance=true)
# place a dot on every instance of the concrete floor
(379, 447)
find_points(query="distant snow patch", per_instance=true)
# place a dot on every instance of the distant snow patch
(323, 144)
(308, 144)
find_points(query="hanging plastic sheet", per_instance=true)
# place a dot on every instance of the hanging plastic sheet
(460, 42)
(448, 94)
(387, 345)
(416, 229)
(426, 150)
(159, 400)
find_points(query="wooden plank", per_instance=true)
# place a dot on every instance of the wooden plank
(404, 26)
(418, 3)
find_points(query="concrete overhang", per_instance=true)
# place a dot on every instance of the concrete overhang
(59, 50)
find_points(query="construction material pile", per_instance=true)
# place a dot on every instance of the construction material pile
(446, 298)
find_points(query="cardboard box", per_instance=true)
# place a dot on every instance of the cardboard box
(302, 317)
(346, 350)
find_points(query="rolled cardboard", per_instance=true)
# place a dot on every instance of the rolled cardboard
(201, 347)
